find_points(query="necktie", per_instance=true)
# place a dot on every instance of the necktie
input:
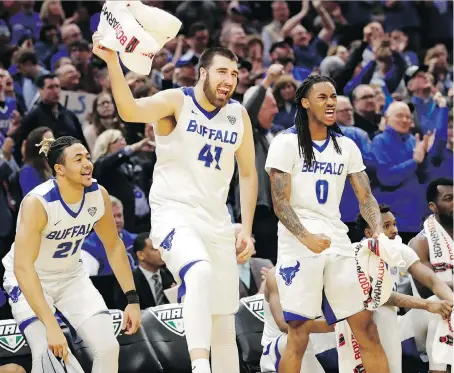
(159, 294)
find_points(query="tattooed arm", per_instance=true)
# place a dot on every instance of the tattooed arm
(281, 188)
(368, 205)
(442, 307)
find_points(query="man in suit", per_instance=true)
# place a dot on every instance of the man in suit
(151, 277)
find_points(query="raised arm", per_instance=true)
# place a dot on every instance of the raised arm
(281, 189)
(33, 220)
(144, 110)
(368, 205)
(118, 260)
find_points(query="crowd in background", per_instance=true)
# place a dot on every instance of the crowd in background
(377, 52)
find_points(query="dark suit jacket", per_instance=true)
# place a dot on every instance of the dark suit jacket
(256, 265)
(143, 289)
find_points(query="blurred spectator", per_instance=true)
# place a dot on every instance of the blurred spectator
(261, 107)
(7, 109)
(80, 53)
(431, 111)
(198, 38)
(124, 177)
(331, 66)
(30, 71)
(69, 34)
(104, 80)
(442, 166)
(235, 39)
(309, 52)
(402, 173)
(239, 14)
(244, 81)
(400, 41)
(62, 61)
(284, 92)
(366, 116)
(49, 112)
(26, 20)
(47, 44)
(185, 73)
(9, 200)
(192, 11)
(52, 13)
(271, 33)
(102, 117)
(339, 51)
(403, 16)
(35, 170)
(93, 254)
(254, 55)
(437, 60)
(69, 77)
(436, 23)
(151, 277)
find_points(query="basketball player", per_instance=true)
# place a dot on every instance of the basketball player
(386, 316)
(434, 247)
(196, 152)
(275, 331)
(43, 270)
(308, 165)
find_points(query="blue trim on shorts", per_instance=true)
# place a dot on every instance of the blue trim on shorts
(290, 316)
(277, 353)
(26, 323)
(328, 311)
(182, 273)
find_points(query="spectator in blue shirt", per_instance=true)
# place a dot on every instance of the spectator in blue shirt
(25, 20)
(402, 168)
(442, 166)
(36, 170)
(69, 34)
(309, 52)
(94, 255)
(284, 92)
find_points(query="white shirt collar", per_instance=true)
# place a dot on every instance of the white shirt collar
(149, 274)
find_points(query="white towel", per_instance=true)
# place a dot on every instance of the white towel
(137, 39)
(373, 257)
(440, 249)
(443, 352)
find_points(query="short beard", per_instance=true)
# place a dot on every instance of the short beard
(446, 220)
(211, 96)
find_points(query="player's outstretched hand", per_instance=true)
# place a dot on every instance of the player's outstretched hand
(57, 342)
(317, 242)
(244, 247)
(442, 307)
(132, 317)
(106, 54)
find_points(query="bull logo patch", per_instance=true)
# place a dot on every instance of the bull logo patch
(254, 305)
(171, 317)
(288, 273)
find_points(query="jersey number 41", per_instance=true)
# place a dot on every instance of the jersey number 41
(206, 155)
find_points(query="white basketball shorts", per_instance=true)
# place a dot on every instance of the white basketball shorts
(73, 295)
(272, 353)
(183, 246)
(322, 284)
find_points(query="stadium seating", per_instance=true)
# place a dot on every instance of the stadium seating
(164, 328)
(249, 329)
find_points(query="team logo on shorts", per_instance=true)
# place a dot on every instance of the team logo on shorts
(254, 305)
(231, 119)
(166, 244)
(11, 339)
(92, 211)
(117, 321)
(15, 293)
(171, 317)
(288, 274)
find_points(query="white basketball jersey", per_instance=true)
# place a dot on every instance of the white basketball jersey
(316, 190)
(195, 162)
(63, 236)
